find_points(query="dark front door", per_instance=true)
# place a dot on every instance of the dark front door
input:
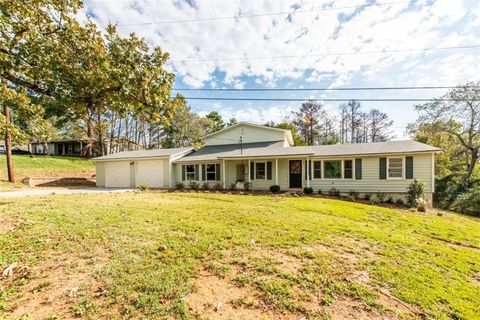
(295, 173)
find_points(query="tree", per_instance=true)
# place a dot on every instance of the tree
(232, 122)
(214, 122)
(379, 126)
(458, 114)
(186, 131)
(308, 120)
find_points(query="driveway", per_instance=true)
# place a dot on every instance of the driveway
(51, 191)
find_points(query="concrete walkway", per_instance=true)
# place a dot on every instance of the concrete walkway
(51, 191)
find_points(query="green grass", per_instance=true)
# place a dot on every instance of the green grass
(42, 166)
(290, 256)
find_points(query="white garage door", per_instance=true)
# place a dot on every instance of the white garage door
(150, 172)
(117, 174)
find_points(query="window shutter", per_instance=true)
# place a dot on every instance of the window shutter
(409, 167)
(196, 172)
(383, 168)
(358, 169)
(218, 173)
(269, 170)
(252, 170)
(310, 169)
(204, 172)
(183, 172)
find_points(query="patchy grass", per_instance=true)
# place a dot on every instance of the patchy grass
(43, 166)
(218, 256)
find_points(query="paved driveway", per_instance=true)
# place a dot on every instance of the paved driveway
(50, 191)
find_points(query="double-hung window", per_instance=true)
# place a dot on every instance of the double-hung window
(395, 168)
(332, 169)
(211, 172)
(190, 172)
(348, 169)
(317, 169)
(260, 170)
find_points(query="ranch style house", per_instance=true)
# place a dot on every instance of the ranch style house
(266, 156)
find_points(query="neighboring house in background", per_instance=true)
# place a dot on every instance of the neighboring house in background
(22, 149)
(265, 156)
(76, 147)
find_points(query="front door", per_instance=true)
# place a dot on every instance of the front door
(295, 173)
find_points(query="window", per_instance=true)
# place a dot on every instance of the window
(347, 169)
(332, 169)
(190, 172)
(211, 172)
(317, 169)
(259, 170)
(395, 168)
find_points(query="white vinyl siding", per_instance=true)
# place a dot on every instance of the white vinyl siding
(249, 134)
(100, 174)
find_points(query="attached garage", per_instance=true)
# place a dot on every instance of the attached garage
(130, 169)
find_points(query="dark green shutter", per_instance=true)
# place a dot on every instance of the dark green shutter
(196, 172)
(252, 170)
(310, 174)
(358, 169)
(204, 172)
(383, 168)
(409, 167)
(183, 172)
(269, 170)
(218, 173)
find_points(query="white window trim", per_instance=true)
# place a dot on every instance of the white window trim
(215, 171)
(403, 168)
(341, 169)
(312, 171)
(186, 172)
(353, 169)
(255, 172)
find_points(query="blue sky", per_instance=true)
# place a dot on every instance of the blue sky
(322, 33)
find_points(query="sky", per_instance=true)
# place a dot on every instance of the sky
(305, 44)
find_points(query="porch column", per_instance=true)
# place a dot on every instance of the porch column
(223, 175)
(81, 147)
(308, 172)
(276, 171)
(170, 174)
(249, 173)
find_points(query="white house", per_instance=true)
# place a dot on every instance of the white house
(265, 156)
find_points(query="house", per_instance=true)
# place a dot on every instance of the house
(76, 147)
(265, 156)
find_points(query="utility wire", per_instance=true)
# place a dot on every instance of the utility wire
(262, 14)
(474, 46)
(318, 99)
(321, 89)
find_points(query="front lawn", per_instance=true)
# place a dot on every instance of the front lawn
(221, 256)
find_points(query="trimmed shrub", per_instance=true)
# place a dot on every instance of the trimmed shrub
(367, 196)
(308, 190)
(334, 192)
(468, 203)
(275, 188)
(233, 186)
(193, 185)
(319, 191)
(353, 194)
(422, 206)
(218, 186)
(381, 196)
(247, 185)
(205, 186)
(179, 186)
(143, 186)
(350, 198)
(389, 200)
(415, 193)
(400, 202)
(374, 201)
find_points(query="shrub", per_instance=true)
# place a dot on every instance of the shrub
(319, 191)
(179, 186)
(415, 193)
(233, 186)
(400, 202)
(308, 190)
(143, 186)
(390, 200)
(205, 186)
(468, 202)
(381, 196)
(353, 194)
(421, 205)
(349, 197)
(374, 201)
(247, 185)
(275, 188)
(193, 185)
(218, 186)
(334, 192)
(367, 196)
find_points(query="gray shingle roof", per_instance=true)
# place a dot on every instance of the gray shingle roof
(388, 147)
(227, 150)
(154, 153)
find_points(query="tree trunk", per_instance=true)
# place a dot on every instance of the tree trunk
(471, 166)
(47, 152)
(8, 144)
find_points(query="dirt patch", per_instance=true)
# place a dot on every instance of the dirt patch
(55, 287)
(351, 309)
(217, 298)
(6, 224)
